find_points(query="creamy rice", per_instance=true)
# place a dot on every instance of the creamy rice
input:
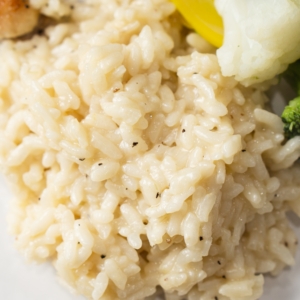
(136, 164)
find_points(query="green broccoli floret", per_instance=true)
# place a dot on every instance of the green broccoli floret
(291, 113)
(291, 118)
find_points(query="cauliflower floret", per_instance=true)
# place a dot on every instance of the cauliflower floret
(261, 38)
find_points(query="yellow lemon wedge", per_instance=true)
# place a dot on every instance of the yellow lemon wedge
(203, 17)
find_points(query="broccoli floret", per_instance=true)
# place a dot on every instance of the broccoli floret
(291, 118)
(291, 113)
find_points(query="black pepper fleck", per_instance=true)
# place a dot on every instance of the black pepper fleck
(276, 195)
(157, 195)
(100, 164)
(134, 144)
(286, 244)
(183, 130)
(39, 198)
(81, 159)
(201, 238)
(219, 262)
(71, 6)
(216, 298)
(224, 276)
(103, 256)
(27, 6)
(244, 150)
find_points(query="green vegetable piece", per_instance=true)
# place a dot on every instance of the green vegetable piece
(291, 113)
(291, 118)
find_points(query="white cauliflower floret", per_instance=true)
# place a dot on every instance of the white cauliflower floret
(261, 38)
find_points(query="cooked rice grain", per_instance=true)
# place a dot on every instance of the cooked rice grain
(136, 164)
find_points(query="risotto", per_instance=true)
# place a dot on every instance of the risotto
(135, 164)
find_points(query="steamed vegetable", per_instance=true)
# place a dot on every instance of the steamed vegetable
(291, 118)
(261, 38)
(291, 113)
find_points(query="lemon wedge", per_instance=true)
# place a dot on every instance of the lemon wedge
(203, 17)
